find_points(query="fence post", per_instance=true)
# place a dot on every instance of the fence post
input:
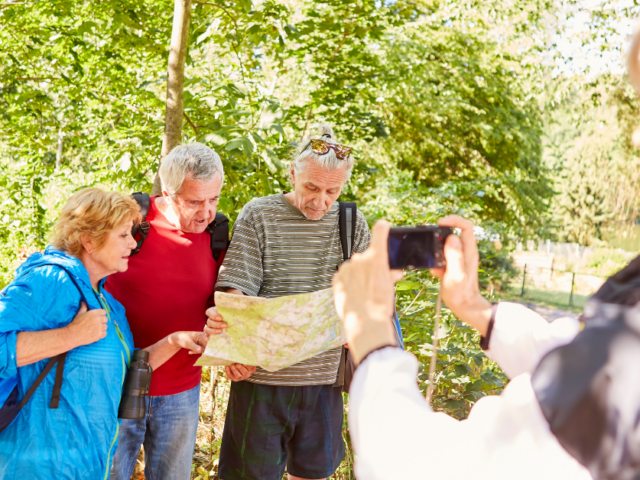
(524, 276)
(573, 281)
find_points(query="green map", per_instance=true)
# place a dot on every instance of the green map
(274, 333)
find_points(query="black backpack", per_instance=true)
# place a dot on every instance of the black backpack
(347, 223)
(218, 229)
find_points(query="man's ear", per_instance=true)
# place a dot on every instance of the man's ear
(166, 197)
(292, 174)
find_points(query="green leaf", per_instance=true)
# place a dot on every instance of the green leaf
(404, 285)
(242, 143)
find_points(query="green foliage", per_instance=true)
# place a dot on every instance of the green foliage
(582, 143)
(437, 99)
(463, 373)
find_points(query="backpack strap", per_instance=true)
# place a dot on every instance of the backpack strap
(347, 224)
(218, 229)
(144, 200)
(347, 221)
(40, 379)
(219, 232)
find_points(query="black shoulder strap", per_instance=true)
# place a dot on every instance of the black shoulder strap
(347, 224)
(59, 359)
(347, 221)
(219, 231)
(144, 200)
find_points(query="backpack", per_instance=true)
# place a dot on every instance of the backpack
(347, 224)
(9, 387)
(218, 229)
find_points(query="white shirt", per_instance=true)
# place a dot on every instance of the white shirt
(396, 435)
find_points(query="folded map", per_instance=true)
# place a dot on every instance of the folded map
(274, 333)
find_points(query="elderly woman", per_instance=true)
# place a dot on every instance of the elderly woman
(42, 315)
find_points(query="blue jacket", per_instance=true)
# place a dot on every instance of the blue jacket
(77, 440)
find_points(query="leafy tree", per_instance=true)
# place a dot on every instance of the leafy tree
(588, 146)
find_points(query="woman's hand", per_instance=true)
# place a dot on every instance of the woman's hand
(215, 325)
(87, 326)
(195, 342)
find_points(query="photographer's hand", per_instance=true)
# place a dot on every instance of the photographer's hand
(459, 281)
(364, 293)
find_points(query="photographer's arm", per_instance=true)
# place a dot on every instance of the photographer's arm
(394, 432)
(519, 337)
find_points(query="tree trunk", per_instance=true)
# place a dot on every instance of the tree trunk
(174, 109)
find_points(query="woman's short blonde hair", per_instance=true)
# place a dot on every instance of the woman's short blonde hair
(94, 213)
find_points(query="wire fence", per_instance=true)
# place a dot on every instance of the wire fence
(545, 284)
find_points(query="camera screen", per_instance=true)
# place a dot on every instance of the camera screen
(411, 248)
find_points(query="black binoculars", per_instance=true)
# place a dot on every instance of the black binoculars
(136, 387)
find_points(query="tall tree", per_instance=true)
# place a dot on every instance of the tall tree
(174, 107)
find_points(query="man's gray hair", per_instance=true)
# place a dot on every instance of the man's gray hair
(195, 160)
(328, 161)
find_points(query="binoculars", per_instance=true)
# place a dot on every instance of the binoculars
(133, 405)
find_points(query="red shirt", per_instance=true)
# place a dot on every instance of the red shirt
(167, 288)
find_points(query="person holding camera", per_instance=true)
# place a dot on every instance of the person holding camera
(552, 420)
(56, 315)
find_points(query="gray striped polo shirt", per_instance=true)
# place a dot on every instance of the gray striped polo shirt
(275, 251)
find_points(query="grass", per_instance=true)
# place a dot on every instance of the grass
(549, 298)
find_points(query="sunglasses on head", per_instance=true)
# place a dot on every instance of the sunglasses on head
(322, 147)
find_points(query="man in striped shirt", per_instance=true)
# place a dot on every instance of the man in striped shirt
(282, 245)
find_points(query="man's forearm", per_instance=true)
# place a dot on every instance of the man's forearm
(233, 291)
(31, 347)
(161, 351)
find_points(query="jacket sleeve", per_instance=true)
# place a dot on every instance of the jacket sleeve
(395, 433)
(32, 302)
(520, 337)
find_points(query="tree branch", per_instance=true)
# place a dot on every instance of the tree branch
(195, 129)
(221, 8)
(235, 46)
(10, 4)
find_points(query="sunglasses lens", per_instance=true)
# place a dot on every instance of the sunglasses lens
(321, 147)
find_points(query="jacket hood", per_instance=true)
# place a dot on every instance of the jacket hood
(54, 256)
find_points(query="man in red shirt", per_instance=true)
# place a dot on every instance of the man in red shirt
(168, 287)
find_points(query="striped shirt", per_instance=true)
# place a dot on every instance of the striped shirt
(275, 251)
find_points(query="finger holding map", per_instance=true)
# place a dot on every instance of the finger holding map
(215, 324)
(273, 333)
